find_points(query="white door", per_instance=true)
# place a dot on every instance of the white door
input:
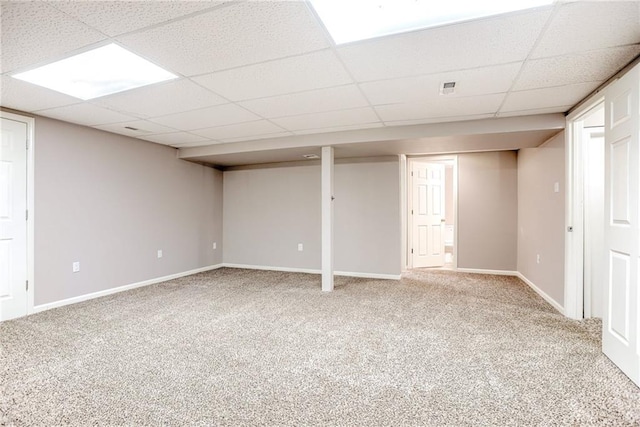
(427, 214)
(13, 222)
(620, 341)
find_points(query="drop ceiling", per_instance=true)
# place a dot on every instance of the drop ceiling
(252, 71)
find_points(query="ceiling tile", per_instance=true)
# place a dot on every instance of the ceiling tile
(315, 101)
(117, 17)
(162, 99)
(590, 25)
(218, 115)
(443, 107)
(143, 128)
(241, 34)
(86, 114)
(174, 138)
(260, 127)
(329, 119)
(311, 71)
(480, 81)
(547, 97)
(38, 32)
(594, 66)
(25, 96)
(472, 44)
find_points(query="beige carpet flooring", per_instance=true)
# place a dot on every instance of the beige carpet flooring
(239, 347)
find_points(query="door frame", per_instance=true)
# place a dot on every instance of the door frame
(30, 122)
(574, 286)
(407, 201)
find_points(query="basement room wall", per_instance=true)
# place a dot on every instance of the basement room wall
(367, 216)
(541, 216)
(487, 210)
(270, 209)
(110, 202)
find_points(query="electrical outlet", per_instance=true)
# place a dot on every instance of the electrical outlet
(300, 247)
(159, 253)
(75, 267)
(215, 245)
(538, 259)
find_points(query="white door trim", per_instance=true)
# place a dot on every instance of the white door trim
(408, 200)
(30, 122)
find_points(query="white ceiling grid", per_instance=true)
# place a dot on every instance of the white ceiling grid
(250, 70)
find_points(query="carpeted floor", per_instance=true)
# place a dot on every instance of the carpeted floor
(239, 347)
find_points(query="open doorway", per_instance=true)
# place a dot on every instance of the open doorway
(587, 210)
(593, 176)
(431, 212)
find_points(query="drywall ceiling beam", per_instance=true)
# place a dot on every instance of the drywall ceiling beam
(470, 127)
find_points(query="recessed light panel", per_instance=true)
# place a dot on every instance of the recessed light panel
(99, 72)
(353, 20)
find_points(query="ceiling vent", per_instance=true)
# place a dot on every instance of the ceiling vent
(132, 129)
(447, 88)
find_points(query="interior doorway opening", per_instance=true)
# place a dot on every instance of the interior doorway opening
(587, 209)
(593, 202)
(432, 212)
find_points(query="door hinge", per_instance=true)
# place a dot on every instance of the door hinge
(26, 214)
(411, 211)
(27, 287)
(27, 144)
(411, 250)
(411, 173)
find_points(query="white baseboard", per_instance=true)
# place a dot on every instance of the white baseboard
(80, 298)
(270, 268)
(313, 271)
(368, 275)
(542, 293)
(481, 271)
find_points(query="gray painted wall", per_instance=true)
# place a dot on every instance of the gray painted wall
(541, 214)
(487, 210)
(268, 211)
(110, 202)
(367, 217)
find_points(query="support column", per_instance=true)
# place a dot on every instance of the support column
(327, 219)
